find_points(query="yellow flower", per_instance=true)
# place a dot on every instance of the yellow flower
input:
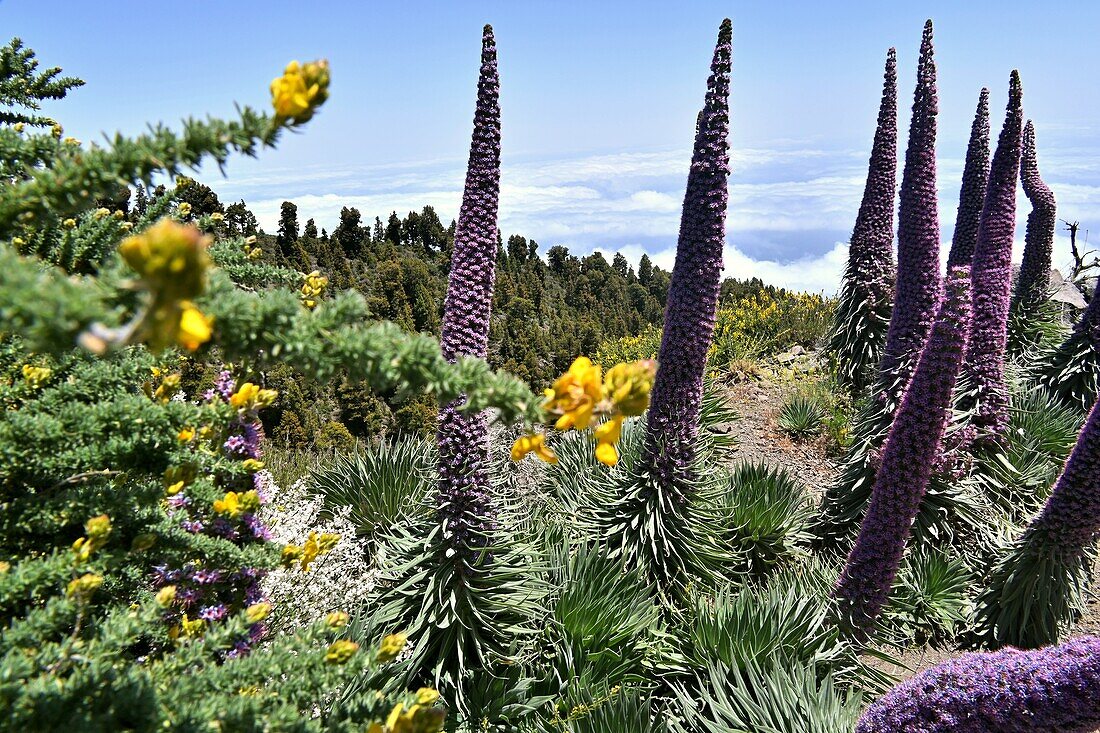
(340, 651)
(184, 209)
(186, 435)
(607, 436)
(426, 696)
(391, 646)
(300, 91)
(249, 397)
(69, 223)
(627, 386)
(173, 489)
(83, 587)
(251, 464)
(170, 257)
(166, 595)
(102, 213)
(166, 389)
(312, 289)
(194, 327)
(192, 627)
(98, 528)
(36, 376)
(337, 620)
(18, 126)
(290, 555)
(217, 216)
(228, 505)
(257, 612)
(575, 394)
(71, 141)
(533, 443)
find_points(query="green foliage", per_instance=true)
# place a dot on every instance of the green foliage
(1033, 594)
(765, 512)
(22, 85)
(930, 600)
(769, 698)
(89, 680)
(802, 415)
(379, 484)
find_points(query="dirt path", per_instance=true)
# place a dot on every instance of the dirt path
(759, 438)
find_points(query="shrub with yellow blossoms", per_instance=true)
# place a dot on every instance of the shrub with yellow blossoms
(584, 392)
(312, 289)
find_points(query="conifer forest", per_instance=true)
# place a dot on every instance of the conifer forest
(420, 474)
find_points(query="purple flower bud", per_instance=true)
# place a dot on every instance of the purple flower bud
(673, 420)
(863, 309)
(918, 279)
(463, 440)
(1039, 241)
(907, 460)
(992, 278)
(1009, 691)
(974, 181)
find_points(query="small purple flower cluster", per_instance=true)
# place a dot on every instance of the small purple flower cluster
(907, 461)
(974, 181)
(211, 594)
(676, 399)
(1056, 688)
(1039, 239)
(918, 279)
(463, 503)
(992, 279)
(206, 593)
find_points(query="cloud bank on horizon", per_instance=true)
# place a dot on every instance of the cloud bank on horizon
(791, 206)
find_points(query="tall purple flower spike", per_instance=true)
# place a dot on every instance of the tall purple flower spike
(1070, 519)
(974, 181)
(918, 278)
(677, 393)
(1009, 691)
(1039, 240)
(463, 502)
(992, 280)
(907, 460)
(868, 288)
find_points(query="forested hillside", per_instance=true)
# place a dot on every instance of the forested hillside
(547, 306)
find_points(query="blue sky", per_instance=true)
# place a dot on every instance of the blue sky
(598, 100)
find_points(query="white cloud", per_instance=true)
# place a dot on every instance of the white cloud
(788, 206)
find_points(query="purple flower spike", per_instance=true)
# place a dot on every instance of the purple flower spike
(1039, 240)
(918, 279)
(863, 309)
(974, 181)
(1009, 691)
(463, 502)
(907, 461)
(693, 292)
(992, 277)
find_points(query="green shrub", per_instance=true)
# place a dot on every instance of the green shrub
(764, 513)
(378, 483)
(803, 415)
